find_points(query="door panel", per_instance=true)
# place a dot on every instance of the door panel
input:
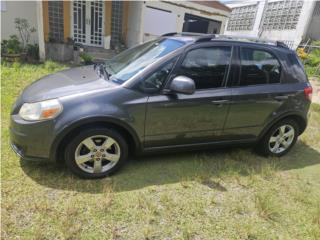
(183, 119)
(252, 107)
(254, 93)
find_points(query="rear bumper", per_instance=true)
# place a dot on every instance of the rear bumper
(31, 140)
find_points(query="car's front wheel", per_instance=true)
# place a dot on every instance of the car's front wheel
(96, 153)
(280, 138)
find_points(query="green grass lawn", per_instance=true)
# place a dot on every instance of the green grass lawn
(217, 194)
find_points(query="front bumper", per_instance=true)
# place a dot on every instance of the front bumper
(31, 140)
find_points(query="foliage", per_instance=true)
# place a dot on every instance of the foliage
(311, 59)
(11, 46)
(86, 58)
(33, 51)
(302, 54)
(24, 29)
(215, 194)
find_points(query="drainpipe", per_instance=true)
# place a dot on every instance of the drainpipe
(42, 53)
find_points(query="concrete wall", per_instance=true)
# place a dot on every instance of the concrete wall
(314, 27)
(293, 36)
(18, 9)
(136, 16)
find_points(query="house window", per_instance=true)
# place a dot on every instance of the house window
(55, 9)
(242, 18)
(116, 23)
(282, 15)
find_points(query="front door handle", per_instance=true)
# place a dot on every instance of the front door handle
(219, 102)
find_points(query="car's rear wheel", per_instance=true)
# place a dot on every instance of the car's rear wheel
(96, 153)
(280, 138)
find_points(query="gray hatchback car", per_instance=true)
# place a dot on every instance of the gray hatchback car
(180, 91)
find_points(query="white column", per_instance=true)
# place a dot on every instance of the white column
(42, 52)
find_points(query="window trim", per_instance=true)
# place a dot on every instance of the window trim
(194, 47)
(237, 81)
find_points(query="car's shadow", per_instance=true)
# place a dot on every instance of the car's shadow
(172, 168)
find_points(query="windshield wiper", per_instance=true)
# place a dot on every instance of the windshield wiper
(102, 71)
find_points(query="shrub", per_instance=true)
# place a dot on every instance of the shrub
(86, 58)
(11, 46)
(302, 54)
(33, 51)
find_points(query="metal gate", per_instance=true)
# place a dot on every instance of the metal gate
(88, 22)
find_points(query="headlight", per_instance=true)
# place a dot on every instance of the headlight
(40, 110)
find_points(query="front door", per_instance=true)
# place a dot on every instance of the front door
(177, 119)
(88, 22)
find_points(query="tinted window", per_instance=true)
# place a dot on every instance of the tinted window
(156, 80)
(296, 69)
(208, 67)
(258, 67)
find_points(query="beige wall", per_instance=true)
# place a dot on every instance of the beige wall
(15, 9)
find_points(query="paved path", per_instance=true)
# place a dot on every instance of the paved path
(316, 90)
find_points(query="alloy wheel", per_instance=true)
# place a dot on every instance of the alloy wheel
(281, 139)
(97, 154)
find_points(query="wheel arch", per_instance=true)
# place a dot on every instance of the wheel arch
(61, 140)
(298, 117)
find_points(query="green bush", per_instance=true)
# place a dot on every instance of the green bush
(312, 61)
(86, 58)
(11, 46)
(33, 51)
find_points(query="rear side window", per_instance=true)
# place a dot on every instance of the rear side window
(296, 69)
(208, 66)
(258, 67)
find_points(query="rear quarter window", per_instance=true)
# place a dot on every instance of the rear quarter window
(296, 70)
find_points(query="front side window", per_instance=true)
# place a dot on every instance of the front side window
(258, 67)
(156, 80)
(208, 67)
(130, 62)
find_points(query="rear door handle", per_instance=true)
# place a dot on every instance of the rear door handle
(281, 97)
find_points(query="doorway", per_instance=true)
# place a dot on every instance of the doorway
(198, 24)
(87, 22)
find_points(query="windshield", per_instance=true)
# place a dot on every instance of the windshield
(128, 63)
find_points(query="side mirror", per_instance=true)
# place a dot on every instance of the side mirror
(182, 84)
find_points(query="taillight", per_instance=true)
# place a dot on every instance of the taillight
(308, 93)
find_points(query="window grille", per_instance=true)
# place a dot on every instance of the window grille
(282, 15)
(242, 18)
(55, 10)
(116, 23)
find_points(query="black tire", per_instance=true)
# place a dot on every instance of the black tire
(72, 146)
(263, 145)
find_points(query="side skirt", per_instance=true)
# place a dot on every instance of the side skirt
(198, 146)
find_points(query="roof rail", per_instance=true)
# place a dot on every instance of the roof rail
(169, 34)
(206, 38)
(184, 34)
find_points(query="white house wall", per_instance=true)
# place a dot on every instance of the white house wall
(136, 17)
(289, 36)
(18, 9)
